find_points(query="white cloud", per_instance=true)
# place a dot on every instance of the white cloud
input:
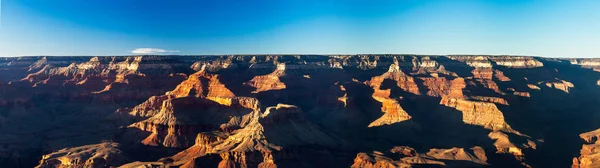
(151, 51)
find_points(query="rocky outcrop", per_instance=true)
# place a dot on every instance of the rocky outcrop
(517, 62)
(109, 78)
(474, 157)
(188, 111)
(364, 160)
(260, 142)
(562, 85)
(496, 100)
(475, 154)
(593, 63)
(180, 119)
(270, 81)
(393, 112)
(430, 67)
(500, 76)
(150, 107)
(403, 81)
(482, 114)
(503, 144)
(590, 151)
(214, 65)
(522, 94)
(473, 61)
(105, 154)
(506, 61)
(202, 84)
(277, 128)
(442, 87)
(533, 87)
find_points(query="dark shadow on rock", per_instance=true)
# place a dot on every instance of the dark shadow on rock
(460, 68)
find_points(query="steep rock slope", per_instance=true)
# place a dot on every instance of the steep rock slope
(393, 113)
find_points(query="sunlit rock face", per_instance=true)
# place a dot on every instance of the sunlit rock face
(393, 112)
(105, 154)
(180, 119)
(442, 87)
(270, 136)
(562, 85)
(202, 84)
(270, 81)
(590, 153)
(478, 113)
(516, 62)
(591, 63)
(378, 110)
(474, 61)
(454, 157)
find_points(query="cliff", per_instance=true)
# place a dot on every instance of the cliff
(298, 111)
(590, 153)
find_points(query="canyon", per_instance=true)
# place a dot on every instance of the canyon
(267, 111)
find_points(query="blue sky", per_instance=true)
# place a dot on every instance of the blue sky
(553, 28)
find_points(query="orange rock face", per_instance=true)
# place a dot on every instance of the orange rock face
(260, 142)
(441, 87)
(298, 111)
(405, 82)
(482, 114)
(270, 81)
(393, 112)
(202, 84)
(590, 152)
(503, 144)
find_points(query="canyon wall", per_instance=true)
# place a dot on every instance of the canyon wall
(299, 111)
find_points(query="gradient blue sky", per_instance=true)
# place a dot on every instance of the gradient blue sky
(553, 28)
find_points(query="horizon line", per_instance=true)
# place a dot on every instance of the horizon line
(407, 54)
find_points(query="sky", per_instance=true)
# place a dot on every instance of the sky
(550, 28)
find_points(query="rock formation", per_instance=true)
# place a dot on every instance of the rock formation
(260, 143)
(180, 119)
(590, 153)
(393, 113)
(562, 85)
(105, 154)
(270, 81)
(474, 157)
(298, 111)
(517, 62)
(482, 114)
(442, 87)
(503, 144)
